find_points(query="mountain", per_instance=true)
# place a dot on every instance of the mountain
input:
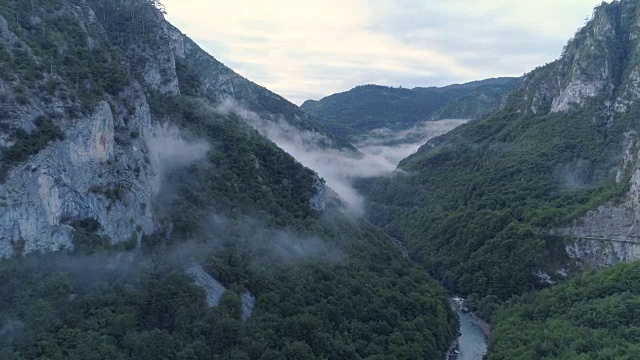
(542, 187)
(370, 107)
(113, 110)
(127, 157)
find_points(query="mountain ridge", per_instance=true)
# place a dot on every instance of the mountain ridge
(369, 107)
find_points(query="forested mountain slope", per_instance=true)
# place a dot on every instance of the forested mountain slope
(594, 316)
(119, 153)
(107, 75)
(370, 107)
(489, 208)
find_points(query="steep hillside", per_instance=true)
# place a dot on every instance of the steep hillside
(109, 113)
(495, 208)
(370, 107)
(594, 316)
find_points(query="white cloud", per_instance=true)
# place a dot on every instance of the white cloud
(309, 49)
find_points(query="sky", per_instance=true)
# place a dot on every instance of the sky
(309, 49)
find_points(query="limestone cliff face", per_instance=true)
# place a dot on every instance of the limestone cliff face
(69, 180)
(598, 66)
(108, 165)
(598, 77)
(611, 233)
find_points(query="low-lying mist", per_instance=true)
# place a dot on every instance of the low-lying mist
(394, 146)
(380, 151)
(172, 150)
(264, 247)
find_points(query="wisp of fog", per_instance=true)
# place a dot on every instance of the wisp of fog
(382, 150)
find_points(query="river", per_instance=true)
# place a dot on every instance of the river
(474, 332)
(471, 343)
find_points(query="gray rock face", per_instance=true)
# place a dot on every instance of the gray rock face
(211, 286)
(68, 181)
(611, 233)
(600, 253)
(583, 82)
(575, 94)
(110, 164)
(319, 200)
(592, 67)
(71, 179)
(76, 178)
(248, 304)
(215, 290)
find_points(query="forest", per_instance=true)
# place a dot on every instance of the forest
(327, 286)
(477, 206)
(593, 316)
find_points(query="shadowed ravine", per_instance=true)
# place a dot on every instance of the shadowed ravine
(471, 343)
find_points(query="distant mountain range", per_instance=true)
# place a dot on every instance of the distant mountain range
(370, 107)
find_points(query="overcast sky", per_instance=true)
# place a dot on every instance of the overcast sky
(304, 49)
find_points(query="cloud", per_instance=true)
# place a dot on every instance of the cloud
(381, 152)
(310, 49)
(391, 147)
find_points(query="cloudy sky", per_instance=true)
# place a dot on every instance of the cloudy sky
(307, 49)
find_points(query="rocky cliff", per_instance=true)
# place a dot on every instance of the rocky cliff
(600, 69)
(611, 233)
(79, 139)
(599, 63)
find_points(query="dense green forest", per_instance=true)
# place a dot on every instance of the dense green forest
(365, 108)
(594, 316)
(343, 291)
(364, 303)
(476, 206)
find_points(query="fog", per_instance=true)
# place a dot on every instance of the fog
(391, 147)
(266, 248)
(267, 244)
(171, 149)
(381, 150)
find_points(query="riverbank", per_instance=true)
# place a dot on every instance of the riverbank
(458, 304)
(454, 350)
(473, 335)
(481, 324)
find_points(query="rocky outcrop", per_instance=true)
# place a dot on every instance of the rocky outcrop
(598, 67)
(319, 200)
(215, 290)
(595, 67)
(211, 286)
(602, 252)
(611, 233)
(75, 179)
(95, 137)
